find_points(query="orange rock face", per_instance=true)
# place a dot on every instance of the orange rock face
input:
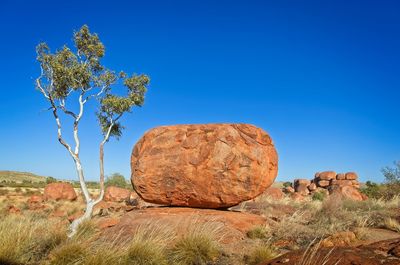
(327, 175)
(59, 191)
(351, 176)
(204, 166)
(274, 193)
(234, 228)
(116, 194)
(347, 192)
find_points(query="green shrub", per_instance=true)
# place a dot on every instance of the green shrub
(392, 178)
(373, 190)
(318, 196)
(50, 180)
(117, 180)
(287, 184)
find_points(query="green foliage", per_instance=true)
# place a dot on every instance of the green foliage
(392, 178)
(318, 196)
(50, 180)
(373, 190)
(116, 179)
(89, 184)
(287, 184)
(113, 106)
(66, 71)
(392, 174)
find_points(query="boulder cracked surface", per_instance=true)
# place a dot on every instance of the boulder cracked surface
(204, 166)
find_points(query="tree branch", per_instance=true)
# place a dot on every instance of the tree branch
(101, 160)
(68, 112)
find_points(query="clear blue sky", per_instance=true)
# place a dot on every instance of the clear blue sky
(322, 77)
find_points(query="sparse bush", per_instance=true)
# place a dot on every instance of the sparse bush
(18, 190)
(392, 178)
(287, 184)
(3, 192)
(318, 196)
(373, 190)
(261, 253)
(117, 180)
(50, 180)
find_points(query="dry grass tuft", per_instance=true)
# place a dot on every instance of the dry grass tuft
(73, 252)
(258, 232)
(27, 239)
(312, 257)
(194, 249)
(391, 224)
(260, 253)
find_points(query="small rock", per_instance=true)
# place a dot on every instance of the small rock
(339, 239)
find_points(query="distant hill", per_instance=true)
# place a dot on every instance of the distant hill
(19, 177)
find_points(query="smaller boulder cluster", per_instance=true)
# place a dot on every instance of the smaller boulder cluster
(328, 182)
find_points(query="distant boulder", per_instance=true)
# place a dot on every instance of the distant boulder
(274, 193)
(348, 192)
(59, 191)
(116, 194)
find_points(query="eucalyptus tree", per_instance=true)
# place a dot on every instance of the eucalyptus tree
(69, 80)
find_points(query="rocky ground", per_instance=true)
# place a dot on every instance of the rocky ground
(348, 232)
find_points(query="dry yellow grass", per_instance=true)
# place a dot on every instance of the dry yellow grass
(391, 224)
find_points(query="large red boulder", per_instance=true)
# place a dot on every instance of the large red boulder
(59, 191)
(205, 166)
